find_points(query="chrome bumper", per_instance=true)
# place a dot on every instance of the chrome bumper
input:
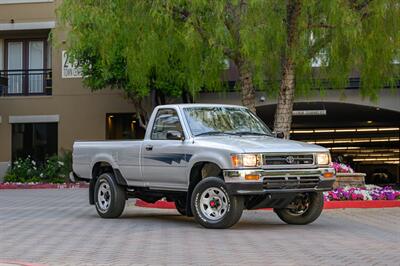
(279, 180)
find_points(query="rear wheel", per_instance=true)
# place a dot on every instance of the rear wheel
(213, 207)
(304, 209)
(109, 197)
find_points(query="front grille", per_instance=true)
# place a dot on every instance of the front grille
(290, 182)
(289, 159)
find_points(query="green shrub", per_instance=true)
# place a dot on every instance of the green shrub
(23, 170)
(54, 170)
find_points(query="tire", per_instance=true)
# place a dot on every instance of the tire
(213, 207)
(306, 216)
(109, 197)
(180, 206)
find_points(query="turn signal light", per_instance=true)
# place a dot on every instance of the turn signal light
(328, 175)
(252, 177)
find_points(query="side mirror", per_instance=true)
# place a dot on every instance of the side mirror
(279, 135)
(175, 135)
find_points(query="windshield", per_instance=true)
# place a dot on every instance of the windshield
(224, 120)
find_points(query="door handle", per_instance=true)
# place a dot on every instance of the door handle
(149, 147)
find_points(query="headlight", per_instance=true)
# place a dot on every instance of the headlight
(246, 160)
(323, 158)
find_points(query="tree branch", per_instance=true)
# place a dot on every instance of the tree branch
(320, 25)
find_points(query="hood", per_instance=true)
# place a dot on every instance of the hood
(261, 144)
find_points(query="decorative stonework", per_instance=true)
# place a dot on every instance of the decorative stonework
(349, 179)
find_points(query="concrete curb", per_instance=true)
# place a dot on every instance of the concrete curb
(18, 263)
(43, 186)
(347, 204)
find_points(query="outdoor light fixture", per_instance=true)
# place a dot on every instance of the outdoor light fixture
(355, 140)
(343, 130)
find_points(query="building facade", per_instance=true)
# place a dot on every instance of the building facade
(44, 106)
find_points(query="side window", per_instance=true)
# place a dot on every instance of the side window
(166, 120)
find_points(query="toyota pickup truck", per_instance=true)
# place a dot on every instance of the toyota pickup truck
(213, 161)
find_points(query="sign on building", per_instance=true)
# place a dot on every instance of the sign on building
(70, 69)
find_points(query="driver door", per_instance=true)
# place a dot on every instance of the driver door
(164, 159)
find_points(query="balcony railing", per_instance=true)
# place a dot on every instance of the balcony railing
(25, 82)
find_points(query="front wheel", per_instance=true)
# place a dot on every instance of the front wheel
(213, 207)
(109, 197)
(304, 209)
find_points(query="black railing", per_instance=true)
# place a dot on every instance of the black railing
(25, 82)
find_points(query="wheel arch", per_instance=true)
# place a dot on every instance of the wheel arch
(99, 168)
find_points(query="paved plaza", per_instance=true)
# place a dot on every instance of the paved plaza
(59, 227)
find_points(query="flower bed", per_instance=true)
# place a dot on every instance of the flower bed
(342, 168)
(369, 192)
(54, 169)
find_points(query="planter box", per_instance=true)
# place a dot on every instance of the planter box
(349, 179)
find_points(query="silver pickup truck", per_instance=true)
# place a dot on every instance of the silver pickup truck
(213, 161)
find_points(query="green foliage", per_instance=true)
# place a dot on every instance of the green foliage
(346, 36)
(54, 170)
(177, 45)
(23, 170)
(134, 46)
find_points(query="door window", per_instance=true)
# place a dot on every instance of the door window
(15, 64)
(36, 66)
(166, 120)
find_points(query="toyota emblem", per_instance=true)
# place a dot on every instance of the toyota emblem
(290, 159)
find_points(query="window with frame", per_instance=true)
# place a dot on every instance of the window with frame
(166, 120)
(26, 63)
(38, 140)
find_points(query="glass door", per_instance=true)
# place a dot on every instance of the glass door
(36, 66)
(14, 67)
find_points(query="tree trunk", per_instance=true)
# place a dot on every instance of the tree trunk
(247, 91)
(284, 108)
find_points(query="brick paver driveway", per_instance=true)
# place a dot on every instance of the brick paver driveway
(59, 227)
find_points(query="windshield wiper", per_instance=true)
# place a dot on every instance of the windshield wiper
(214, 133)
(251, 133)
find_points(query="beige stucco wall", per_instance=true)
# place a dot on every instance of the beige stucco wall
(82, 113)
(28, 12)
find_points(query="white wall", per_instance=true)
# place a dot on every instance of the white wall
(3, 169)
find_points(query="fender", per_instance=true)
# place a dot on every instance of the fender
(211, 157)
(104, 157)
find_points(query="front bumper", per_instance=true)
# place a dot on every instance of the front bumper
(279, 181)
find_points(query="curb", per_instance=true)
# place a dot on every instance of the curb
(18, 263)
(348, 204)
(362, 204)
(43, 186)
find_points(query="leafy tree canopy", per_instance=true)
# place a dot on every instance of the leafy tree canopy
(178, 45)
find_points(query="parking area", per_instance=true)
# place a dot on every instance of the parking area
(59, 227)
